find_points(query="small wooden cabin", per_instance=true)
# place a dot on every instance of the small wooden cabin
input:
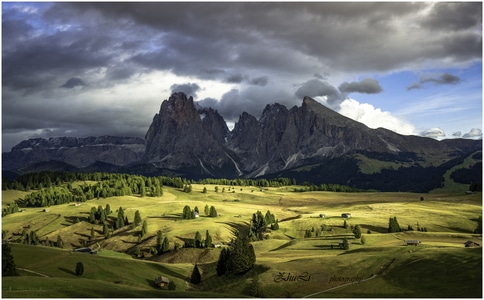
(471, 244)
(162, 281)
(412, 242)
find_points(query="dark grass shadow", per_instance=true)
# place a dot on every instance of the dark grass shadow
(70, 272)
(373, 228)
(242, 228)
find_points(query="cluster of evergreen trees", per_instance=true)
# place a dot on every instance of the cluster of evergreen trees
(188, 213)
(259, 224)
(45, 179)
(238, 259)
(393, 225)
(277, 182)
(310, 187)
(31, 238)
(198, 242)
(10, 209)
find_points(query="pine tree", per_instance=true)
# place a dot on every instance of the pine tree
(92, 236)
(107, 210)
(208, 240)
(79, 269)
(213, 212)
(8, 262)
(159, 241)
(222, 262)
(346, 244)
(92, 215)
(207, 210)
(60, 242)
(137, 218)
(357, 231)
(120, 220)
(187, 212)
(144, 229)
(196, 277)
(478, 229)
(165, 246)
(171, 285)
(198, 240)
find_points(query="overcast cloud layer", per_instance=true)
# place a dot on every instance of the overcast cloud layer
(80, 69)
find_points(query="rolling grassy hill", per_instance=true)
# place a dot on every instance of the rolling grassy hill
(311, 266)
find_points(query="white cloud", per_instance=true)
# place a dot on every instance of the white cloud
(474, 133)
(433, 133)
(374, 117)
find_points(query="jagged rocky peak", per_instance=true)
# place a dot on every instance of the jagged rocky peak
(180, 109)
(182, 135)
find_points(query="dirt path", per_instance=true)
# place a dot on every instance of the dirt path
(340, 286)
(30, 271)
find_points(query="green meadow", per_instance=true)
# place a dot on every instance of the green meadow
(379, 264)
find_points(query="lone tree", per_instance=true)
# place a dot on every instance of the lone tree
(144, 229)
(79, 269)
(213, 212)
(357, 231)
(137, 218)
(196, 277)
(8, 262)
(346, 244)
(159, 242)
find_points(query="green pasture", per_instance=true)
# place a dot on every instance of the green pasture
(396, 270)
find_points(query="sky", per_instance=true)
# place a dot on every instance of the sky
(91, 68)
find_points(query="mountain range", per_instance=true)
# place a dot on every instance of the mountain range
(309, 143)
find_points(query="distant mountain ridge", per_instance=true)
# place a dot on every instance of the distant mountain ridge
(186, 140)
(78, 152)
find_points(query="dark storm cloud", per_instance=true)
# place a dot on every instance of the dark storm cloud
(190, 89)
(454, 15)
(239, 78)
(314, 88)
(244, 37)
(252, 100)
(261, 81)
(73, 82)
(366, 86)
(236, 78)
(445, 78)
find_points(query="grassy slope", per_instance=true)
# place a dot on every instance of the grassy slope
(450, 219)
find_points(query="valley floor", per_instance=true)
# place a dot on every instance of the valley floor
(301, 259)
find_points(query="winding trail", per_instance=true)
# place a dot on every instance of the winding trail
(30, 271)
(340, 286)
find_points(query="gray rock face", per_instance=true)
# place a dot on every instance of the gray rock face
(284, 138)
(79, 152)
(182, 137)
